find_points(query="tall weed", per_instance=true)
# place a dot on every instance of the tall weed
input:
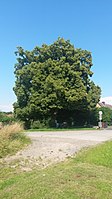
(12, 139)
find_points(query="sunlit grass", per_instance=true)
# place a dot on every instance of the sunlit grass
(76, 178)
(12, 139)
(99, 155)
(60, 129)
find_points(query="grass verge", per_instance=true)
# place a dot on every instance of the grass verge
(60, 129)
(81, 177)
(100, 155)
(12, 139)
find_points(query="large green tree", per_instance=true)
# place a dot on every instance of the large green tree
(54, 81)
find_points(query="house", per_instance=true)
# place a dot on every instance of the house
(103, 104)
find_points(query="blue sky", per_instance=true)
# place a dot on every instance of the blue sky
(27, 23)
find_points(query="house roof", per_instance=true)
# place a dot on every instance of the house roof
(103, 104)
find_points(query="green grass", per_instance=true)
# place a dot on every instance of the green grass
(99, 155)
(60, 129)
(86, 176)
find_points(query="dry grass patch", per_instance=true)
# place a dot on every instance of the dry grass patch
(12, 139)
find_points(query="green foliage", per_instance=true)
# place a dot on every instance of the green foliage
(38, 125)
(6, 118)
(54, 79)
(107, 115)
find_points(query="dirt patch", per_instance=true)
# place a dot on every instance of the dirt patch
(52, 147)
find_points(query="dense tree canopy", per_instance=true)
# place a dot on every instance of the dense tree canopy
(54, 81)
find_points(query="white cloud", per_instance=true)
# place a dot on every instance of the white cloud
(107, 100)
(6, 107)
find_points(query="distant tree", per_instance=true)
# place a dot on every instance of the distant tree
(107, 115)
(54, 80)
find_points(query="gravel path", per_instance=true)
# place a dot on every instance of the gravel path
(50, 147)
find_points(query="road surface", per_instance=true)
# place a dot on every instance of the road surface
(51, 147)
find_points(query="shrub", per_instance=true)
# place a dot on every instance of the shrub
(6, 118)
(38, 125)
